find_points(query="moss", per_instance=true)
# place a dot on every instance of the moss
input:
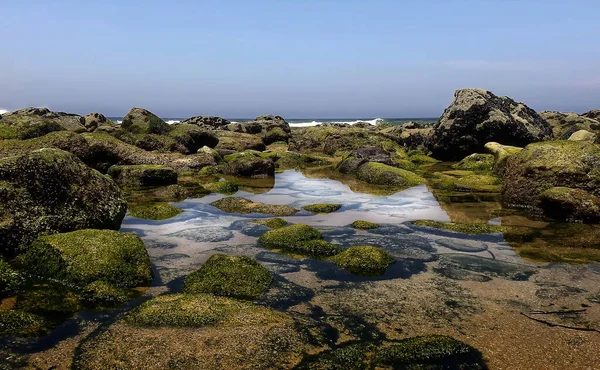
(172, 193)
(476, 162)
(64, 140)
(141, 121)
(430, 352)
(568, 204)
(192, 138)
(322, 208)
(299, 238)
(238, 141)
(84, 256)
(465, 181)
(11, 280)
(471, 228)
(243, 205)
(364, 225)
(275, 134)
(353, 356)
(143, 175)
(249, 164)
(103, 294)
(20, 323)
(154, 211)
(422, 159)
(225, 187)
(382, 174)
(197, 310)
(158, 143)
(364, 260)
(231, 276)
(273, 223)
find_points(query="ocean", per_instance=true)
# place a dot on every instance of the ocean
(307, 122)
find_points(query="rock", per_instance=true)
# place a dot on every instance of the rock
(476, 117)
(583, 135)
(23, 324)
(208, 122)
(248, 164)
(243, 205)
(329, 139)
(48, 191)
(29, 123)
(322, 208)
(225, 187)
(357, 158)
(94, 121)
(298, 238)
(272, 223)
(154, 211)
(143, 175)
(85, 256)
(566, 204)
(239, 142)
(64, 140)
(593, 114)
(269, 122)
(192, 138)
(501, 154)
(465, 181)
(157, 143)
(565, 124)
(365, 225)
(409, 135)
(542, 166)
(364, 260)
(476, 162)
(142, 121)
(230, 276)
(274, 135)
(172, 193)
(382, 174)
(246, 127)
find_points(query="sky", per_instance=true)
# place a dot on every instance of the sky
(299, 59)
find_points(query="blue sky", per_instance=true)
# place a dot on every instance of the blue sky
(296, 58)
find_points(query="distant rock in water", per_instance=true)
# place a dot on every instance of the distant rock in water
(476, 117)
(29, 123)
(209, 122)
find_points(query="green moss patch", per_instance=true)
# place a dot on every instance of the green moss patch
(172, 193)
(143, 175)
(103, 294)
(364, 260)
(299, 238)
(10, 279)
(20, 323)
(382, 174)
(322, 208)
(197, 310)
(364, 225)
(422, 159)
(465, 228)
(243, 205)
(84, 256)
(225, 187)
(476, 162)
(466, 181)
(154, 211)
(231, 276)
(273, 223)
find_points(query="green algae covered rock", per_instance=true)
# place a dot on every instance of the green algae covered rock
(275, 134)
(476, 162)
(231, 276)
(48, 191)
(248, 164)
(465, 228)
(430, 352)
(501, 154)
(143, 175)
(243, 205)
(192, 137)
(364, 225)
(564, 124)
(21, 323)
(364, 260)
(322, 207)
(28, 123)
(298, 238)
(465, 181)
(142, 121)
(583, 135)
(272, 223)
(238, 142)
(225, 187)
(542, 166)
(103, 294)
(154, 211)
(172, 193)
(569, 204)
(10, 279)
(197, 310)
(84, 256)
(64, 140)
(382, 174)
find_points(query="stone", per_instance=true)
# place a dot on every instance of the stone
(29, 123)
(501, 154)
(143, 175)
(566, 204)
(565, 124)
(583, 135)
(142, 121)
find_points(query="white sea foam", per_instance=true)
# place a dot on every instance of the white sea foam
(315, 123)
(119, 122)
(2, 111)
(172, 121)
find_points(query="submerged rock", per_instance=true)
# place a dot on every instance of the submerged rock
(365, 225)
(298, 238)
(364, 260)
(476, 117)
(322, 208)
(10, 280)
(49, 191)
(143, 175)
(243, 205)
(154, 211)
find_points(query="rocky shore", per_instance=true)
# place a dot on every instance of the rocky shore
(67, 182)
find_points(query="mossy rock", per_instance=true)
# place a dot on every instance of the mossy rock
(238, 141)
(247, 164)
(466, 181)
(275, 134)
(464, 228)
(422, 159)
(64, 140)
(154, 211)
(230, 276)
(143, 175)
(501, 154)
(298, 238)
(197, 310)
(21, 323)
(84, 256)
(103, 294)
(142, 121)
(243, 205)
(382, 174)
(225, 187)
(364, 225)
(352, 356)
(322, 207)
(48, 191)
(29, 123)
(192, 138)
(272, 223)
(566, 204)
(172, 193)
(364, 260)
(430, 352)
(158, 143)
(11, 280)
(476, 162)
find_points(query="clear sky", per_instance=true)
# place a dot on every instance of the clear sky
(296, 58)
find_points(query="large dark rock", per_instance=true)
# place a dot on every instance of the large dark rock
(209, 122)
(50, 191)
(142, 121)
(28, 123)
(543, 166)
(593, 114)
(192, 137)
(565, 124)
(476, 117)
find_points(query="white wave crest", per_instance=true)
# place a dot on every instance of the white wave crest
(172, 121)
(2, 111)
(315, 123)
(119, 122)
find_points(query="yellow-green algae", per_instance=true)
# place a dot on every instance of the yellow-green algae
(143, 175)
(382, 174)
(364, 260)
(154, 211)
(225, 187)
(243, 205)
(273, 223)
(322, 207)
(465, 228)
(476, 162)
(299, 238)
(231, 276)
(364, 225)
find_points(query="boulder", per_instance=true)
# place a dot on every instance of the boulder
(542, 166)
(298, 238)
(476, 162)
(476, 117)
(357, 158)
(364, 260)
(382, 174)
(64, 140)
(157, 143)
(93, 121)
(238, 142)
(583, 135)
(565, 124)
(246, 127)
(501, 154)
(142, 121)
(593, 114)
(51, 191)
(143, 175)
(192, 137)
(249, 164)
(29, 123)
(208, 122)
(269, 122)
(567, 204)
